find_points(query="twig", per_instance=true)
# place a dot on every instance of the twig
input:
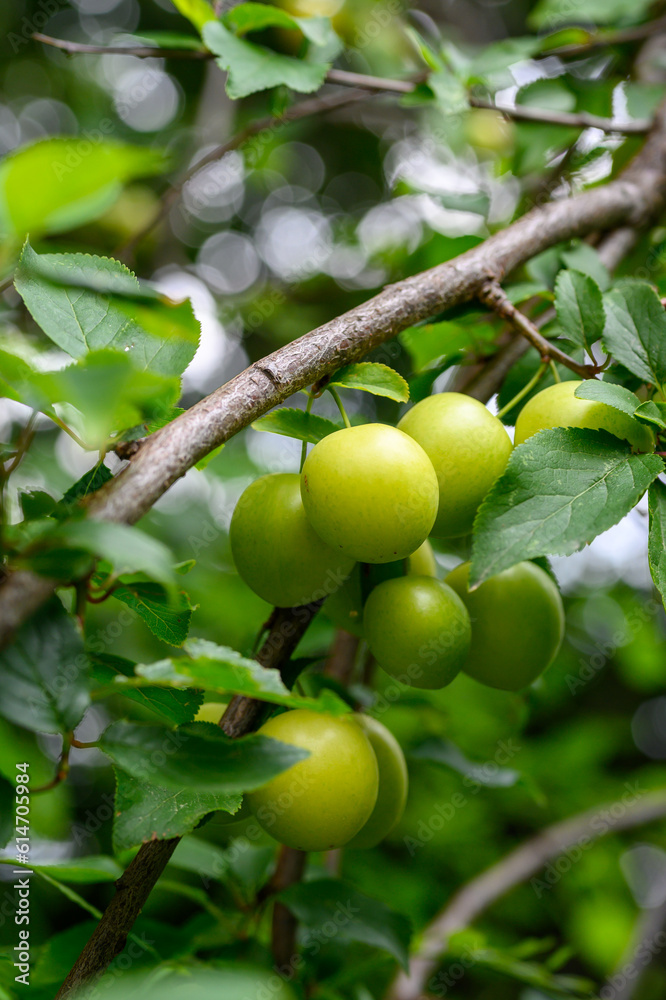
(493, 295)
(61, 773)
(520, 864)
(568, 119)
(138, 51)
(375, 83)
(136, 883)
(647, 942)
(289, 870)
(633, 199)
(304, 109)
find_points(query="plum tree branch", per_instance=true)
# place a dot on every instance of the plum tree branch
(517, 866)
(288, 625)
(632, 200)
(345, 78)
(493, 295)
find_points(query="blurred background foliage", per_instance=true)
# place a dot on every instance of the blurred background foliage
(270, 242)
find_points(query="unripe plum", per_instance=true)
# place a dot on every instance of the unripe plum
(468, 447)
(323, 801)
(370, 492)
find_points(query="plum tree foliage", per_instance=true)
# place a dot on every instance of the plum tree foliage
(331, 679)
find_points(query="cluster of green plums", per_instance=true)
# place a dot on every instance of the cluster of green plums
(353, 528)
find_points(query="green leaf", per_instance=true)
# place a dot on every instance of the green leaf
(56, 184)
(104, 393)
(172, 706)
(248, 17)
(168, 619)
(86, 871)
(36, 504)
(560, 490)
(450, 92)
(583, 257)
(197, 12)
(657, 535)
(201, 857)
(89, 483)
(7, 815)
(652, 413)
(128, 549)
(438, 342)
(372, 377)
(609, 393)
(86, 303)
(253, 67)
(297, 424)
(498, 57)
(146, 812)
(198, 756)
(438, 751)
(357, 917)
(44, 673)
(579, 307)
(635, 332)
(222, 670)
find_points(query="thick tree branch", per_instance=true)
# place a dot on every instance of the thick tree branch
(522, 863)
(632, 200)
(288, 625)
(493, 295)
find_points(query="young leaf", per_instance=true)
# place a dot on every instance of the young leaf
(49, 187)
(438, 751)
(547, 13)
(44, 673)
(357, 917)
(254, 67)
(609, 393)
(297, 424)
(372, 377)
(560, 490)
(657, 535)
(635, 332)
(86, 303)
(168, 619)
(197, 756)
(224, 671)
(171, 706)
(146, 812)
(579, 307)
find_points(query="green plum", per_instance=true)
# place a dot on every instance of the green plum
(469, 449)
(370, 492)
(323, 801)
(557, 406)
(393, 782)
(345, 606)
(417, 627)
(517, 624)
(275, 549)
